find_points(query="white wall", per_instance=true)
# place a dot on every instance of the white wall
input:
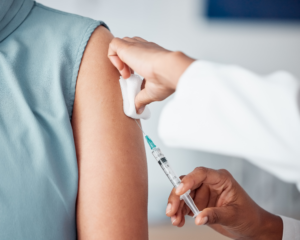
(180, 25)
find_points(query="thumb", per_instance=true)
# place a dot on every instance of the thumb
(215, 215)
(141, 100)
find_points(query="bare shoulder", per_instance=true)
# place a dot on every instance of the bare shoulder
(97, 78)
(95, 56)
(97, 46)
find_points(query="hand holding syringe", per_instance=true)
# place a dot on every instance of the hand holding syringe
(164, 164)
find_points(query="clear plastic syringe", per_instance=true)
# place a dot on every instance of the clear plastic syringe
(164, 164)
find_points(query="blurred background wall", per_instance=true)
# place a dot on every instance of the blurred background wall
(262, 47)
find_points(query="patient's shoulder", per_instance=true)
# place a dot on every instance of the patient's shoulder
(59, 18)
(56, 41)
(60, 30)
(96, 69)
(95, 58)
(98, 92)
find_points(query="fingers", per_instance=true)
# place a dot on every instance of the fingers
(173, 204)
(128, 39)
(177, 209)
(215, 178)
(216, 215)
(182, 218)
(140, 39)
(116, 45)
(141, 100)
(125, 72)
(134, 39)
(174, 209)
(213, 198)
(116, 48)
(177, 219)
(202, 197)
(113, 55)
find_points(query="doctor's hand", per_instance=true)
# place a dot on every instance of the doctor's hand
(225, 206)
(161, 68)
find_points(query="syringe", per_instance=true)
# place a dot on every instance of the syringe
(164, 164)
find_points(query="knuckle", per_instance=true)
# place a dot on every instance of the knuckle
(201, 170)
(112, 43)
(226, 177)
(214, 218)
(225, 173)
(115, 40)
(182, 176)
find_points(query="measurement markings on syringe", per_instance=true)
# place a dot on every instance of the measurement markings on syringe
(168, 171)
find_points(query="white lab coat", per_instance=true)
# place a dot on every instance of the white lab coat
(228, 110)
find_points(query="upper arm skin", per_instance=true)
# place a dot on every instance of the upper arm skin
(112, 194)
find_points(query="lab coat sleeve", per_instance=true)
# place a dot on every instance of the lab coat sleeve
(291, 229)
(228, 110)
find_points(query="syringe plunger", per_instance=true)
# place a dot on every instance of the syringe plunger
(190, 203)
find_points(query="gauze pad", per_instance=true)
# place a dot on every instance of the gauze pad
(130, 87)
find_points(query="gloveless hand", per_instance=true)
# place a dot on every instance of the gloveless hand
(161, 68)
(225, 207)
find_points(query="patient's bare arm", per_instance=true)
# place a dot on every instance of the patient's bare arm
(112, 196)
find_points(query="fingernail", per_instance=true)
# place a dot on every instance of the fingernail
(141, 110)
(202, 221)
(173, 219)
(179, 188)
(169, 207)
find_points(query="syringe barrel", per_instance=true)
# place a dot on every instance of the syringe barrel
(164, 164)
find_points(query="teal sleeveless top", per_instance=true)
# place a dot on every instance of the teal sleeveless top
(40, 54)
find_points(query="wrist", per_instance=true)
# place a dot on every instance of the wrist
(270, 227)
(171, 66)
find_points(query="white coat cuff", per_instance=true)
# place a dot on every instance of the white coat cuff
(291, 229)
